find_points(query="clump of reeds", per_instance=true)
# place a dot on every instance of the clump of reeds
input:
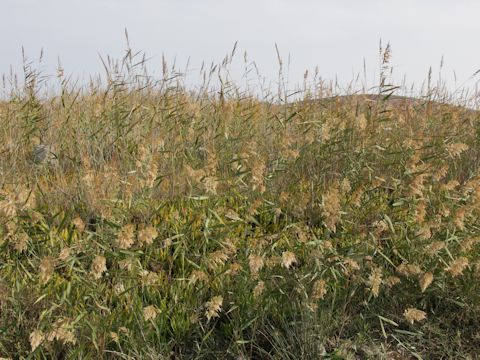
(138, 217)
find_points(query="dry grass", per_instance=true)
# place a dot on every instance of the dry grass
(141, 220)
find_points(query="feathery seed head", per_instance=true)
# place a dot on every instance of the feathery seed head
(150, 313)
(457, 266)
(126, 236)
(255, 262)
(319, 289)
(36, 339)
(258, 290)
(99, 266)
(147, 235)
(213, 307)
(414, 315)
(375, 280)
(288, 259)
(47, 266)
(425, 281)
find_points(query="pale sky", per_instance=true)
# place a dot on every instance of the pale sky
(334, 35)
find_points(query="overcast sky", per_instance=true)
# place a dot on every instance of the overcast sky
(335, 35)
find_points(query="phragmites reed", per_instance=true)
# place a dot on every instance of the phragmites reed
(150, 313)
(46, 268)
(137, 212)
(213, 307)
(457, 266)
(331, 208)
(255, 263)
(147, 235)
(99, 266)
(288, 259)
(36, 339)
(414, 315)
(126, 236)
(374, 281)
(425, 281)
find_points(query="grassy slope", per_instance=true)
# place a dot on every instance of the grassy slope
(170, 225)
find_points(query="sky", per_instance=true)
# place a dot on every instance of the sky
(337, 36)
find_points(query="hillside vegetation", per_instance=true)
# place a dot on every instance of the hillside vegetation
(142, 220)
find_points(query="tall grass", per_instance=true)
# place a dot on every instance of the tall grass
(140, 219)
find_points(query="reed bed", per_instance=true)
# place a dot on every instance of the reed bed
(140, 219)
